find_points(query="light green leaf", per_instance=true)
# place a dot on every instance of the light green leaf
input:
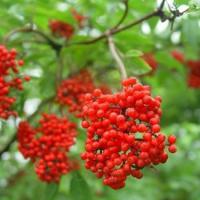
(136, 66)
(133, 53)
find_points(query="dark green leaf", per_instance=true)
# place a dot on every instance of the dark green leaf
(51, 191)
(79, 188)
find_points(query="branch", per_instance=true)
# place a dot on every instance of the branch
(49, 41)
(123, 16)
(59, 70)
(39, 108)
(14, 137)
(156, 13)
(8, 145)
(117, 58)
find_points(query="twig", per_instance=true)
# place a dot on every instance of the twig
(41, 105)
(59, 70)
(156, 13)
(49, 41)
(115, 31)
(8, 145)
(124, 14)
(117, 58)
(14, 137)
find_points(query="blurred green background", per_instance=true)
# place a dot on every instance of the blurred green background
(179, 178)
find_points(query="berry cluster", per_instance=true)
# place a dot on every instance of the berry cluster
(71, 91)
(194, 73)
(47, 146)
(194, 68)
(9, 69)
(150, 59)
(123, 133)
(78, 17)
(61, 29)
(179, 56)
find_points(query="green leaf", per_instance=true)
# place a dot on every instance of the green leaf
(79, 189)
(51, 191)
(136, 66)
(189, 37)
(133, 53)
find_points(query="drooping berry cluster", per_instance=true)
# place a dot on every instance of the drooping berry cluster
(61, 29)
(9, 79)
(123, 133)
(150, 59)
(71, 92)
(47, 145)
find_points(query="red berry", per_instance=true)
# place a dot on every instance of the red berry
(85, 124)
(172, 139)
(172, 148)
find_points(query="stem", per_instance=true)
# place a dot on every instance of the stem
(59, 70)
(157, 13)
(117, 58)
(124, 14)
(115, 31)
(8, 145)
(134, 23)
(49, 41)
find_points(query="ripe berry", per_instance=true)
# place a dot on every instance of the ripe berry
(172, 148)
(171, 139)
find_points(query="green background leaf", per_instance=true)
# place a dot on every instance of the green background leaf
(79, 189)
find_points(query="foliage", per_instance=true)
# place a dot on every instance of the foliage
(179, 178)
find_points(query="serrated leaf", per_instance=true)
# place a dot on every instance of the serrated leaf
(79, 189)
(51, 191)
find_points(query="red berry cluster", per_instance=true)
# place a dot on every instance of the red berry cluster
(61, 29)
(194, 68)
(150, 59)
(194, 73)
(47, 146)
(71, 91)
(123, 133)
(179, 56)
(9, 69)
(78, 17)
